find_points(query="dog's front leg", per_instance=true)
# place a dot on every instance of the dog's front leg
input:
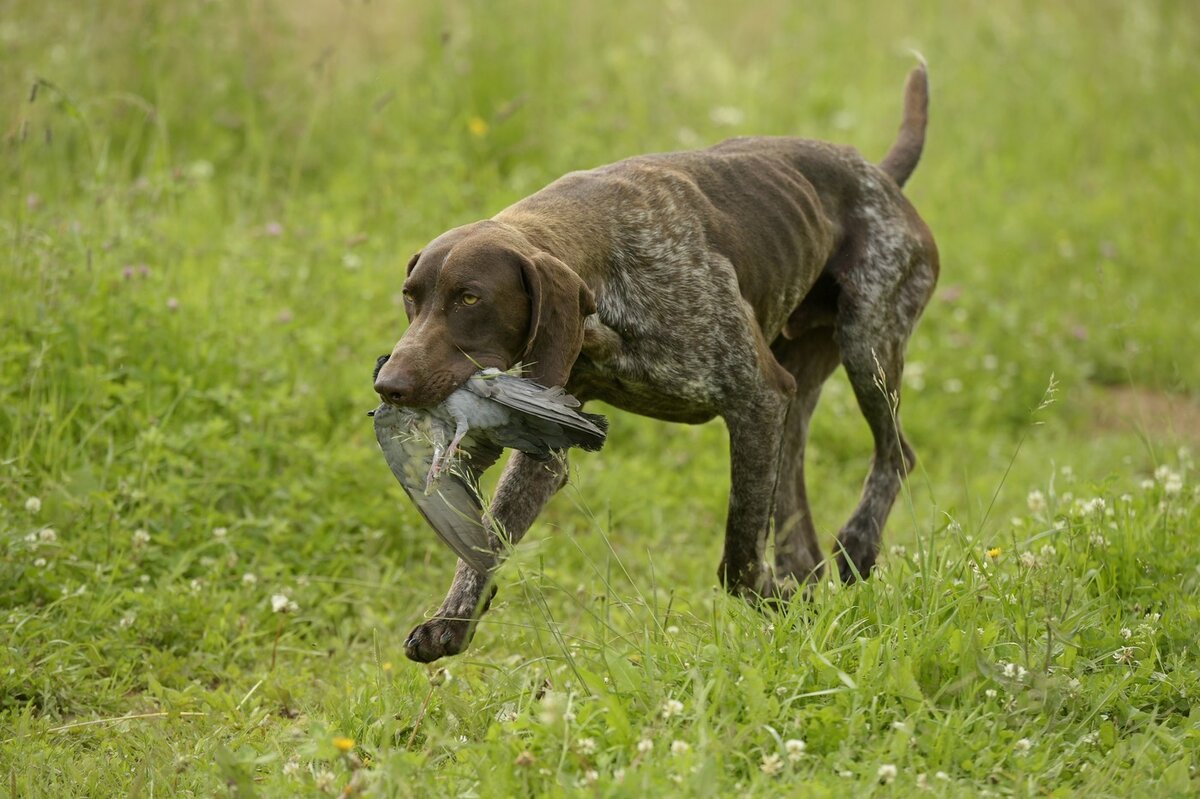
(524, 488)
(755, 431)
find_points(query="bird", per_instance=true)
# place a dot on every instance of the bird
(492, 411)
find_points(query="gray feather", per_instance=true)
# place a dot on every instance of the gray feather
(453, 509)
(496, 411)
(567, 426)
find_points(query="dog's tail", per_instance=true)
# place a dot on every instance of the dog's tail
(902, 159)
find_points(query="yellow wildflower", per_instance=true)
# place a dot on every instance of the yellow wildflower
(994, 552)
(343, 744)
(478, 126)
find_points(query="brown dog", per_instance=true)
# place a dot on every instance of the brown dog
(724, 282)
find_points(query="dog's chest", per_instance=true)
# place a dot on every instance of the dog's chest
(649, 376)
(661, 393)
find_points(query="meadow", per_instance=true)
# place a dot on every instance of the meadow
(207, 571)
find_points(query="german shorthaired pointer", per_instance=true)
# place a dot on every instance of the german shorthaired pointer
(726, 282)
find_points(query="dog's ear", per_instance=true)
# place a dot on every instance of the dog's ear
(412, 262)
(558, 302)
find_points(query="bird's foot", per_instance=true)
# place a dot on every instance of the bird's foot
(442, 459)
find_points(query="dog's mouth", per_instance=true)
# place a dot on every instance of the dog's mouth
(403, 388)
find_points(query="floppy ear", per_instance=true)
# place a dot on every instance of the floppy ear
(559, 301)
(411, 263)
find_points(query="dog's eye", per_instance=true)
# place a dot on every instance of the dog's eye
(408, 295)
(469, 299)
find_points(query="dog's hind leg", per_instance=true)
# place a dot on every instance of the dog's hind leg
(810, 357)
(883, 293)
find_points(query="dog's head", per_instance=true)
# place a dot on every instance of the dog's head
(482, 296)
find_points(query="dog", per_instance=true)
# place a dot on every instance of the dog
(729, 281)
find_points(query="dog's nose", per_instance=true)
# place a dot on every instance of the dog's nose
(394, 387)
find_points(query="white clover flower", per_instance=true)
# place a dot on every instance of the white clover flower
(1010, 669)
(1126, 633)
(291, 767)
(727, 115)
(281, 604)
(672, 707)
(220, 532)
(645, 746)
(48, 535)
(886, 773)
(1094, 505)
(1124, 655)
(1173, 484)
(922, 782)
(771, 764)
(795, 749)
(990, 693)
(1022, 745)
(941, 775)
(324, 780)
(33, 505)
(1147, 484)
(619, 775)
(1036, 502)
(587, 745)
(1162, 473)
(1097, 540)
(898, 551)
(140, 538)
(680, 747)
(200, 170)
(591, 776)
(249, 579)
(1048, 551)
(1028, 560)
(672, 630)
(39, 562)
(127, 620)
(914, 375)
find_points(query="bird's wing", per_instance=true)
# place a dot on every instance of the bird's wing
(532, 399)
(453, 509)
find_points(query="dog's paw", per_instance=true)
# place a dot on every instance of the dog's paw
(855, 557)
(438, 638)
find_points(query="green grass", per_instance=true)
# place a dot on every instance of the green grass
(206, 210)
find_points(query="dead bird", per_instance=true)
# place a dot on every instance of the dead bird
(492, 411)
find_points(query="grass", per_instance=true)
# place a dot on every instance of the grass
(206, 208)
